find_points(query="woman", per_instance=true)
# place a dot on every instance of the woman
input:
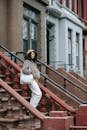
(30, 67)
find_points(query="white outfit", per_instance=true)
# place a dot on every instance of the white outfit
(36, 94)
(30, 67)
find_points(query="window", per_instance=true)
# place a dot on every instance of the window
(77, 50)
(70, 48)
(73, 5)
(82, 8)
(84, 67)
(67, 3)
(25, 35)
(64, 2)
(30, 28)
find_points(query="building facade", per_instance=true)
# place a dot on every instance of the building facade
(79, 7)
(65, 31)
(56, 29)
(22, 25)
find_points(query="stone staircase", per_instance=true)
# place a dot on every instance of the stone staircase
(81, 89)
(13, 114)
(52, 112)
(14, 102)
(79, 77)
(74, 86)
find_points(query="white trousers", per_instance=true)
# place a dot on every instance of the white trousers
(36, 94)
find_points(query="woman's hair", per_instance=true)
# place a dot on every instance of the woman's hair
(28, 55)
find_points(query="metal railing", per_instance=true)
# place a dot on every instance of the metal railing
(15, 57)
(61, 75)
(53, 96)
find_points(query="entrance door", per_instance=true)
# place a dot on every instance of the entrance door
(50, 43)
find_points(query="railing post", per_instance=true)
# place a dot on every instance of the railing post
(52, 104)
(21, 121)
(0, 69)
(81, 115)
(57, 123)
(7, 74)
(15, 80)
(43, 103)
(9, 109)
(64, 83)
(25, 90)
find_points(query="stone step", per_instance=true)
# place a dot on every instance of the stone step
(13, 123)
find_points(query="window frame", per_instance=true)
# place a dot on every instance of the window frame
(31, 21)
(70, 48)
(77, 50)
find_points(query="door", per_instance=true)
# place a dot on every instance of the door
(50, 43)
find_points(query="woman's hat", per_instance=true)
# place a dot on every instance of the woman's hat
(29, 51)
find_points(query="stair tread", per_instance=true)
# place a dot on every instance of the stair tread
(2, 76)
(78, 126)
(16, 118)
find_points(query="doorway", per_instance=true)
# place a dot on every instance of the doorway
(50, 42)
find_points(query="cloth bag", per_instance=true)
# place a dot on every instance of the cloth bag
(25, 79)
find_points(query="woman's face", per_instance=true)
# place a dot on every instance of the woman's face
(32, 55)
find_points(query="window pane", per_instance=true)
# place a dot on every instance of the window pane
(34, 45)
(31, 14)
(25, 29)
(25, 45)
(30, 27)
(77, 50)
(70, 47)
(33, 31)
(34, 35)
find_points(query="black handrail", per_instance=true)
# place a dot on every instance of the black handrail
(16, 57)
(46, 77)
(50, 68)
(65, 90)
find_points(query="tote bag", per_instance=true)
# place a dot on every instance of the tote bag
(26, 79)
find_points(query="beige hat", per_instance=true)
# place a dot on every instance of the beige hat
(29, 51)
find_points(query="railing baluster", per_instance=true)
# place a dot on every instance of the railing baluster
(15, 80)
